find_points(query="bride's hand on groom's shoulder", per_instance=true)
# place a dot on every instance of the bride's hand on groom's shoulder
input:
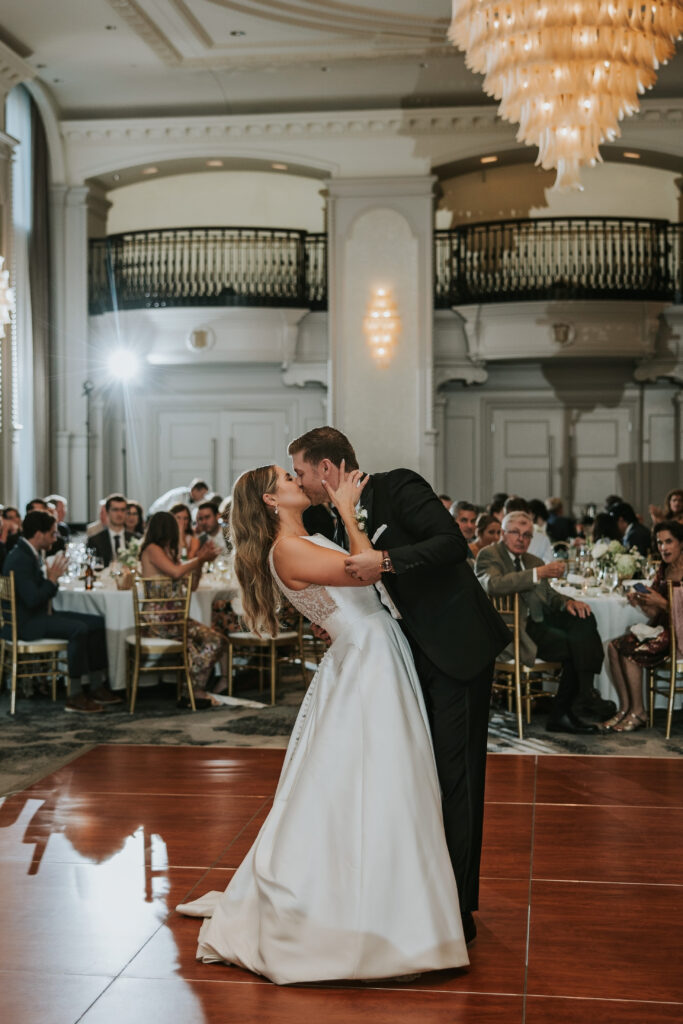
(347, 493)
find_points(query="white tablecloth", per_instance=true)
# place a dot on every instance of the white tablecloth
(117, 608)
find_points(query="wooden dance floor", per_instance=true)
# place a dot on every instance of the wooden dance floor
(581, 914)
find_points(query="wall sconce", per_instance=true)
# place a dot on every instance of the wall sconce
(382, 326)
(6, 298)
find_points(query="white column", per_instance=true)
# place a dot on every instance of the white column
(380, 233)
(70, 351)
(8, 434)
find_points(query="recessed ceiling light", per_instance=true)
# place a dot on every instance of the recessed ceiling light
(214, 163)
(279, 167)
(116, 177)
(488, 160)
(150, 170)
(237, 32)
(56, 80)
(632, 156)
(41, 65)
(111, 28)
(324, 69)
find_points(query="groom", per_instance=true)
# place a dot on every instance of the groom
(420, 560)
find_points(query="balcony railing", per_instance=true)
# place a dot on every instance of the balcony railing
(499, 261)
(208, 267)
(558, 258)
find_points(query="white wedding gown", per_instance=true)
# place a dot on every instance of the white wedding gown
(349, 876)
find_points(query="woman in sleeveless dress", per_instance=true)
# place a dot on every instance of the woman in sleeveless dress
(349, 876)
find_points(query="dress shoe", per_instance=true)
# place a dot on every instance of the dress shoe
(103, 695)
(595, 707)
(571, 724)
(469, 927)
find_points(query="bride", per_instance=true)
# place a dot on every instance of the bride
(349, 877)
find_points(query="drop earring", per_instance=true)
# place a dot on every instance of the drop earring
(276, 510)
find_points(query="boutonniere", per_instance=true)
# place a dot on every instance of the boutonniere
(361, 518)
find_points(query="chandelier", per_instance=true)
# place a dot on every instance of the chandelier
(6, 298)
(567, 71)
(382, 326)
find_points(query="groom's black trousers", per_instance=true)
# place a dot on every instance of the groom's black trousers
(458, 714)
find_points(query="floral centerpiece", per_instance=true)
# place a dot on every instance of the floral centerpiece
(129, 555)
(613, 555)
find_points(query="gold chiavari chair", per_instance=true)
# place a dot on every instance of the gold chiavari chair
(662, 678)
(266, 653)
(521, 683)
(161, 607)
(26, 658)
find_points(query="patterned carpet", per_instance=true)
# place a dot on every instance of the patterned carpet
(41, 736)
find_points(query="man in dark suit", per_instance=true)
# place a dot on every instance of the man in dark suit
(556, 628)
(633, 534)
(35, 585)
(108, 542)
(420, 562)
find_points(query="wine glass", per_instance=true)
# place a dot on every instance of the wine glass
(611, 579)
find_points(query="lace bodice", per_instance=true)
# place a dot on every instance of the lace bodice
(333, 608)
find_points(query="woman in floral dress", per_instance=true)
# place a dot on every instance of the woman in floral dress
(159, 558)
(628, 655)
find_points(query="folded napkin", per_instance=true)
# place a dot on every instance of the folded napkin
(644, 632)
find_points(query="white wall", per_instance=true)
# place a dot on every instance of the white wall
(218, 199)
(522, 190)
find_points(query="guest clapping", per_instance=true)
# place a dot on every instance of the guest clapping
(628, 655)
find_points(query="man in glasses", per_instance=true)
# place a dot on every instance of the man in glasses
(556, 628)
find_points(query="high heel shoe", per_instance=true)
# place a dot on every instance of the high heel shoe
(631, 723)
(610, 724)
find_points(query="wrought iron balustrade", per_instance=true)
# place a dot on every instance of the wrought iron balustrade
(496, 261)
(208, 267)
(558, 258)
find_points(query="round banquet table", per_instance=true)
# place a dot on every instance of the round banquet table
(117, 608)
(614, 616)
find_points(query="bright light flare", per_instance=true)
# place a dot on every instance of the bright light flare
(123, 365)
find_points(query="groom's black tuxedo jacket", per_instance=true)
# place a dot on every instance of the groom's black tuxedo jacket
(443, 606)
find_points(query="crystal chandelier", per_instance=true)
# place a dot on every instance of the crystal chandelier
(382, 326)
(566, 70)
(6, 298)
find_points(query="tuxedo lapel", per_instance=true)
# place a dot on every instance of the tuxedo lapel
(367, 501)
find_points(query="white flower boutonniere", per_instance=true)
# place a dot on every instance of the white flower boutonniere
(361, 518)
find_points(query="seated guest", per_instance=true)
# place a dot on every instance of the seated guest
(540, 542)
(209, 528)
(60, 505)
(135, 518)
(108, 542)
(189, 542)
(192, 495)
(612, 499)
(628, 655)
(632, 533)
(486, 531)
(446, 501)
(496, 508)
(559, 526)
(87, 648)
(465, 515)
(556, 628)
(604, 528)
(41, 505)
(159, 557)
(672, 510)
(10, 531)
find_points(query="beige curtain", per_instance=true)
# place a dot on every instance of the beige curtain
(39, 278)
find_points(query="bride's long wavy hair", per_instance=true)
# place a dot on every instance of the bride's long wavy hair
(253, 528)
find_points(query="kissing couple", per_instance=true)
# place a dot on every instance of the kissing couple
(367, 866)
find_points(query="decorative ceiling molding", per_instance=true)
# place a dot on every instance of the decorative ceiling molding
(147, 30)
(330, 17)
(13, 70)
(434, 121)
(374, 38)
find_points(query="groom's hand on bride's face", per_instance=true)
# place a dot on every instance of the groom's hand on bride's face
(365, 567)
